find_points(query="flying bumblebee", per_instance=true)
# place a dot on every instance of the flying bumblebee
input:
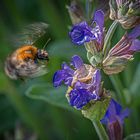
(28, 61)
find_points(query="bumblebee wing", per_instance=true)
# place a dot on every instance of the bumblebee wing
(32, 70)
(30, 34)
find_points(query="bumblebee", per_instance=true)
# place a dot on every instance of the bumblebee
(28, 61)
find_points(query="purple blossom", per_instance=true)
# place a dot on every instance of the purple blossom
(83, 93)
(84, 82)
(66, 73)
(99, 28)
(82, 32)
(114, 119)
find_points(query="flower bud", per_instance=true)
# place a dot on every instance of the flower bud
(122, 52)
(75, 12)
(114, 119)
(125, 12)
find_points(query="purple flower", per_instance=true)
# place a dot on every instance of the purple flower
(82, 32)
(70, 75)
(83, 93)
(114, 113)
(82, 79)
(122, 52)
(114, 119)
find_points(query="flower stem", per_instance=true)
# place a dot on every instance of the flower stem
(108, 37)
(100, 130)
(118, 87)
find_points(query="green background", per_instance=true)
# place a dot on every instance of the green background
(34, 106)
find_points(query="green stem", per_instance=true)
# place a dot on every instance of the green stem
(108, 37)
(118, 87)
(22, 108)
(100, 130)
(88, 9)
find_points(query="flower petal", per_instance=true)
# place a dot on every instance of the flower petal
(114, 113)
(64, 75)
(97, 77)
(67, 69)
(99, 19)
(125, 113)
(135, 45)
(77, 62)
(58, 78)
(79, 98)
(135, 32)
(68, 80)
(80, 85)
(81, 33)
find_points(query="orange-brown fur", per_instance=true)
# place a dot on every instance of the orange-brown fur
(25, 52)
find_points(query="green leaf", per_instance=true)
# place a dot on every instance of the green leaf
(97, 110)
(135, 136)
(65, 49)
(46, 92)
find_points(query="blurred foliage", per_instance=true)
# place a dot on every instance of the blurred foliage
(52, 112)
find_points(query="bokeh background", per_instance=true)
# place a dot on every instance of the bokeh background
(33, 109)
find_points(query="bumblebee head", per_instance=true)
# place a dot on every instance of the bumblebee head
(42, 54)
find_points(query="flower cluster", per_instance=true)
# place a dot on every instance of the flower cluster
(93, 38)
(85, 87)
(83, 80)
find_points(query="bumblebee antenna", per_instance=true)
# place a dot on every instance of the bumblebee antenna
(46, 43)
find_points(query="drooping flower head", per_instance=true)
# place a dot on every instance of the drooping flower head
(126, 12)
(114, 119)
(122, 52)
(83, 81)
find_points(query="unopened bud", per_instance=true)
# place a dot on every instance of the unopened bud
(75, 12)
(125, 12)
